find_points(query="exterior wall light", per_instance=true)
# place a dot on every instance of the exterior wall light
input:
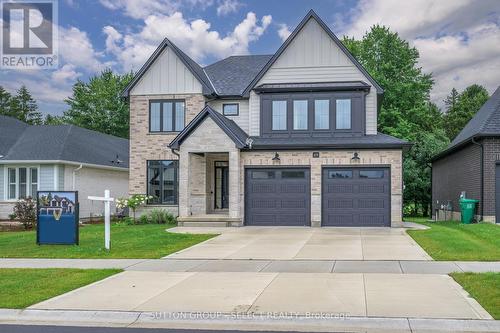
(355, 158)
(276, 157)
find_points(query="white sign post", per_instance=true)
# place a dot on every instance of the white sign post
(107, 216)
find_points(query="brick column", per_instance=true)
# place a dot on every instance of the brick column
(234, 183)
(184, 190)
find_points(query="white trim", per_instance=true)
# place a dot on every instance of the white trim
(97, 166)
(56, 177)
(211, 83)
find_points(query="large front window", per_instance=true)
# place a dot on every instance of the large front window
(279, 115)
(300, 115)
(343, 114)
(22, 182)
(163, 182)
(166, 116)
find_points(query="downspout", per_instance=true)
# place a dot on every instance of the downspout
(482, 176)
(74, 175)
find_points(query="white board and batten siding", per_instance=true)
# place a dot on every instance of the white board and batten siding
(167, 75)
(242, 119)
(313, 56)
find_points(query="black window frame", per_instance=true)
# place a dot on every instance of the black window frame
(155, 201)
(231, 104)
(174, 114)
(358, 114)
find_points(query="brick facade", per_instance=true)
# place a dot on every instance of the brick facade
(153, 146)
(491, 157)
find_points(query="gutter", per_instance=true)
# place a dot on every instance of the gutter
(473, 140)
(74, 175)
(90, 165)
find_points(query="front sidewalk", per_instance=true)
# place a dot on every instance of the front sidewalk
(270, 266)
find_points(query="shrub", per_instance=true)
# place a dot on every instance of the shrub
(12, 216)
(25, 210)
(133, 202)
(144, 219)
(161, 216)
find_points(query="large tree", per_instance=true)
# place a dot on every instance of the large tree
(97, 104)
(5, 102)
(406, 111)
(461, 107)
(24, 107)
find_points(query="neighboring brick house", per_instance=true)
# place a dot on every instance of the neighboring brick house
(283, 139)
(60, 158)
(471, 164)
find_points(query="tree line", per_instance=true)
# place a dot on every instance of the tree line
(406, 111)
(96, 105)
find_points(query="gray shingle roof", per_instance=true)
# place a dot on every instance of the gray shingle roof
(379, 140)
(486, 122)
(60, 143)
(231, 76)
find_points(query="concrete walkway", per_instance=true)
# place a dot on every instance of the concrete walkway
(221, 322)
(269, 266)
(350, 294)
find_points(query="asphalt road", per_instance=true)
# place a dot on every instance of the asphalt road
(71, 329)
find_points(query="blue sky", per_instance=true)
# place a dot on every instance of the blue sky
(459, 41)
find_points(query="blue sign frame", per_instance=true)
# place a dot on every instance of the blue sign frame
(57, 216)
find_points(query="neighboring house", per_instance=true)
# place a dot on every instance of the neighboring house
(60, 158)
(471, 164)
(284, 139)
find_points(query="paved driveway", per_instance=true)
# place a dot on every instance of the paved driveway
(289, 243)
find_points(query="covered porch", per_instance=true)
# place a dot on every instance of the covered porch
(210, 190)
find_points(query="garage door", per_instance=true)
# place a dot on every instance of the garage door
(356, 197)
(277, 197)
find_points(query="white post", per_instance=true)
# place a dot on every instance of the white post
(107, 220)
(107, 216)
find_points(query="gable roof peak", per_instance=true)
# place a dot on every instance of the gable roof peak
(312, 15)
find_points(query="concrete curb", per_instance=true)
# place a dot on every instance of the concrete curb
(279, 322)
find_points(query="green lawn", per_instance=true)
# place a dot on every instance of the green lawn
(22, 287)
(484, 287)
(127, 241)
(452, 240)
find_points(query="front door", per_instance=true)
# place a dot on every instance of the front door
(221, 185)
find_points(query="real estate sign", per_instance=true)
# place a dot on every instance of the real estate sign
(57, 217)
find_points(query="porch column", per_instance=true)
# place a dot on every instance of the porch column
(184, 168)
(234, 184)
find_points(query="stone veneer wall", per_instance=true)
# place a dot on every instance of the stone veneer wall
(153, 146)
(329, 158)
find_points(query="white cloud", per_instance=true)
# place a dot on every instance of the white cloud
(193, 37)
(65, 74)
(227, 7)
(458, 41)
(283, 31)
(76, 48)
(141, 9)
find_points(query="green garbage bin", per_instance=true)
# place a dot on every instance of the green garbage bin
(467, 208)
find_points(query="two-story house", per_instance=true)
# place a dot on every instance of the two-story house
(288, 139)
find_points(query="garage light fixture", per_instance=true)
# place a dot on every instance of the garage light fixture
(355, 158)
(276, 157)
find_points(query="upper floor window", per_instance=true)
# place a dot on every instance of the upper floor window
(279, 115)
(322, 114)
(343, 114)
(230, 109)
(166, 116)
(300, 115)
(22, 182)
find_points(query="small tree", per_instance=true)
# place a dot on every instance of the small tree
(133, 202)
(25, 210)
